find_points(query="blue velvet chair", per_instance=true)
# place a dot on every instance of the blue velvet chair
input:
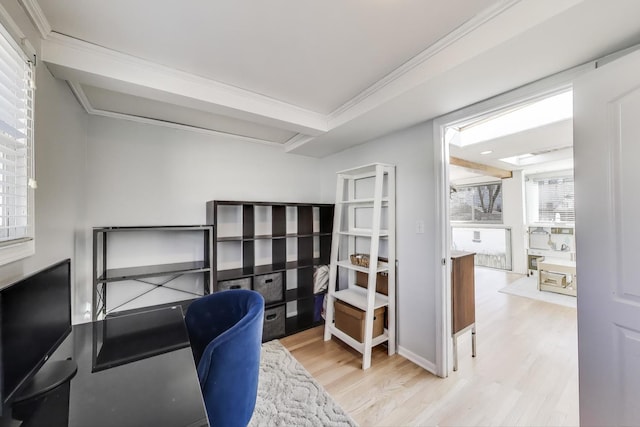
(225, 330)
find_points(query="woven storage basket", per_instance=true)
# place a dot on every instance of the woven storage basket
(360, 259)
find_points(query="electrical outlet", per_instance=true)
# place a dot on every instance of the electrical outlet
(420, 227)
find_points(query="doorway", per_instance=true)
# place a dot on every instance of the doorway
(493, 175)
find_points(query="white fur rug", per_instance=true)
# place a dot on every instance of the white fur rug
(289, 396)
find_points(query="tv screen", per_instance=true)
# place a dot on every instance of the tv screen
(36, 317)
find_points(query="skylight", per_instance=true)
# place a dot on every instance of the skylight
(549, 110)
(517, 160)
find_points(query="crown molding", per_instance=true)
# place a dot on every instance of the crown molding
(33, 9)
(86, 104)
(16, 33)
(446, 41)
(297, 141)
(494, 27)
(184, 88)
(78, 92)
(87, 63)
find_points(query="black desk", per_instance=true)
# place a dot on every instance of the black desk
(133, 370)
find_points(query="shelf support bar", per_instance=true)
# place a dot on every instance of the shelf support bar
(333, 266)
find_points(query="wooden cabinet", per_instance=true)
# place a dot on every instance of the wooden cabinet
(273, 248)
(463, 306)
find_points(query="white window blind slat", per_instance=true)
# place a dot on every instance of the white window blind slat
(11, 86)
(555, 200)
(7, 92)
(16, 140)
(6, 69)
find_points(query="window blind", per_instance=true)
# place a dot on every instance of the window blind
(16, 141)
(555, 200)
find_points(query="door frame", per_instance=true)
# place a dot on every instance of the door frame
(538, 89)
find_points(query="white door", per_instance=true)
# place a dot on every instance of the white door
(607, 191)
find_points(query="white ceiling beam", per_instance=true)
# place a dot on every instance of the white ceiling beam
(84, 101)
(81, 62)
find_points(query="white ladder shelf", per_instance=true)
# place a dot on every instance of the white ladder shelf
(349, 236)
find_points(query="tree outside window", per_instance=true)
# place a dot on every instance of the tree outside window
(481, 203)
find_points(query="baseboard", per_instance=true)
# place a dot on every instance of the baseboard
(418, 360)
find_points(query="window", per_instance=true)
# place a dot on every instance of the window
(555, 200)
(477, 203)
(550, 198)
(525, 116)
(16, 151)
(491, 244)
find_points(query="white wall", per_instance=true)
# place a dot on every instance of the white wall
(61, 126)
(411, 151)
(153, 175)
(141, 174)
(60, 135)
(513, 216)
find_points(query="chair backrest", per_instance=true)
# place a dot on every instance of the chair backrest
(225, 330)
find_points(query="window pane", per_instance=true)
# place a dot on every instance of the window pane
(461, 205)
(477, 203)
(492, 246)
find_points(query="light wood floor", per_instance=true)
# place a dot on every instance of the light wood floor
(525, 373)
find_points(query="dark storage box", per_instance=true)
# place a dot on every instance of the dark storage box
(274, 323)
(244, 283)
(270, 286)
(382, 281)
(318, 300)
(350, 320)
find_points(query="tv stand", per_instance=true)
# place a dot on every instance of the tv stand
(50, 376)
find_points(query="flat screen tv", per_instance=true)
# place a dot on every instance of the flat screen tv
(35, 314)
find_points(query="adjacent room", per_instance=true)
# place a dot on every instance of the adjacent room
(512, 194)
(512, 214)
(294, 213)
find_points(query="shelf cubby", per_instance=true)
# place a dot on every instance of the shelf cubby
(273, 237)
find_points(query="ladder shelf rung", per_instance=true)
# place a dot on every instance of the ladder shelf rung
(384, 337)
(358, 346)
(364, 233)
(368, 201)
(382, 268)
(355, 344)
(357, 297)
(365, 171)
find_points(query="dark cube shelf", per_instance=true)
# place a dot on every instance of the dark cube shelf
(305, 238)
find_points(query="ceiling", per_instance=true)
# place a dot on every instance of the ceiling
(315, 78)
(550, 147)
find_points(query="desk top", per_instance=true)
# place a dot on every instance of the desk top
(133, 370)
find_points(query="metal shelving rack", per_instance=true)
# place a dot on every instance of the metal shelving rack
(102, 275)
